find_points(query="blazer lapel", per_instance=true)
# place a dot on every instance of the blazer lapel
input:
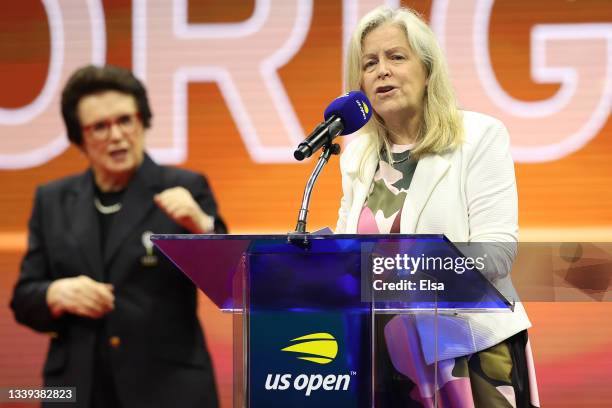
(85, 228)
(430, 169)
(136, 204)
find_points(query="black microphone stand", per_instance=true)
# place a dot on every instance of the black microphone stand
(328, 150)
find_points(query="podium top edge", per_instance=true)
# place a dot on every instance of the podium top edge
(291, 236)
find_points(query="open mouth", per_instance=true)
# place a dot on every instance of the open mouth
(119, 154)
(381, 90)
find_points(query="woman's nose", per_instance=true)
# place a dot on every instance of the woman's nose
(115, 131)
(383, 69)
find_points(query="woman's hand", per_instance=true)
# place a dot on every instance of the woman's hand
(178, 204)
(81, 296)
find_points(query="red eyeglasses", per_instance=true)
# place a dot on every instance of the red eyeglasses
(102, 129)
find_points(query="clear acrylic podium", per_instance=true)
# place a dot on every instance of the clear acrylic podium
(305, 307)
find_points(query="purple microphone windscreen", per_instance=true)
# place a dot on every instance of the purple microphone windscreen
(353, 109)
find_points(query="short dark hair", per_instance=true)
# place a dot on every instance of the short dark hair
(93, 79)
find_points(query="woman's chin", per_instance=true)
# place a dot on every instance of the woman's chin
(390, 113)
(120, 168)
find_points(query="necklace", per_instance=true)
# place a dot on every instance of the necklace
(106, 209)
(403, 159)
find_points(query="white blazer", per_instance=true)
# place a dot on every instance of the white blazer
(469, 195)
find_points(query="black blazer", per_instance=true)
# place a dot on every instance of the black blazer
(158, 353)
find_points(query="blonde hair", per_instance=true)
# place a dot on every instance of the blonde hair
(442, 127)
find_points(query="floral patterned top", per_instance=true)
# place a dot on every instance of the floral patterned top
(382, 210)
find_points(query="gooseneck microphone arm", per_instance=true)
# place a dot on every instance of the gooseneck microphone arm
(328, 150)
(346, 114)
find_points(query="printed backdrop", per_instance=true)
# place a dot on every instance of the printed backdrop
(235, 85)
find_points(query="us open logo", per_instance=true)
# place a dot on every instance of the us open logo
(318, 348)
(363, 107)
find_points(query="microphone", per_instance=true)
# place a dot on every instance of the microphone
(346, 114)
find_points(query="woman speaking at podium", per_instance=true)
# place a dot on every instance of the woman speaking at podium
(423, 166)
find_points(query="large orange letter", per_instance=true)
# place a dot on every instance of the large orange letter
(34, 134)
(242, 58)
(578, 56)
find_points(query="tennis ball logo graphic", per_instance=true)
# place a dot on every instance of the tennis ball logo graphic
(320, 348)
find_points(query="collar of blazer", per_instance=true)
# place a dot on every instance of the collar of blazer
(136, 204)
(429, 171)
